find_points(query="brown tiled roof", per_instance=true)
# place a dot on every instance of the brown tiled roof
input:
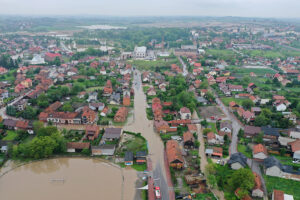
(211, 136)
(257, 181)
(78, 145)
(22, 124)
(173, 151)
(295, 145)
(188, 136)
(278, 195)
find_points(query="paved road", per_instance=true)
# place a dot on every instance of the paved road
(235, 124)
(184, 67)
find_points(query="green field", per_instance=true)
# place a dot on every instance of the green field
(212, 126)
(288, 186)
(11, 135)
(150, 65)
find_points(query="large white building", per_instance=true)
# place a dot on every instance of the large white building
(140, 52)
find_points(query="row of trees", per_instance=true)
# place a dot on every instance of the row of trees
(48, 141)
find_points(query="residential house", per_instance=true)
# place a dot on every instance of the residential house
(233, 106)
(141, 157)
(92, 132)
(161, 126)
(128, 159)
(111, 134)
(115, 98)
(21, 104)
(185, 113)
(121, 115)
(104, 149)
(260, 152)
(273, 167)
(174, 154)
(248, 116)
(251, 131)
(96, 106)
(126, 100)
(192, 128)
(237, 161)
(10, 123)
(226, 126)
(257, 191)
(73, 147)
(88, 116)
(188, 139)
(217, 152)
(211, 138)
(279, 195)
(235, 88)
(256, 110)
(92, 97)
(151, 91)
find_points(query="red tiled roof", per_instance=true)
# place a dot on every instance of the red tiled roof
(260, 148)
(173, 151)
(188, 136)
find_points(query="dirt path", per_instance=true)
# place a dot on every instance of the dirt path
(203, 159)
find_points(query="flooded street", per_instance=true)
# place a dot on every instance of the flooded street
(68, 178)
(145, 127)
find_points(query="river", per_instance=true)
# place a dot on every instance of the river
(68, 178)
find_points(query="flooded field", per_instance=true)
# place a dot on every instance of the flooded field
(68, 178)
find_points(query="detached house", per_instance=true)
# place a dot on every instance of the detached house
(259, 152)
(92, 132)
(185, 113)
(174, 156)
(188, 139)
(258, 189)
(121, 115)
(226, 126)
(237, 161)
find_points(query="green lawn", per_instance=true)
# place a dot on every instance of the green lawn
(212, 126)
(243, 150)
(227, 100)
(11, 135)
(205, 196)
(288, 186)
(137, 144)
(285, 160)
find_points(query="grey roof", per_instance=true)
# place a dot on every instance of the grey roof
(238, 157)
(209, 151)
(141, 154)
(9, 122)
(272, 161)
(128, 156)
(104, 146)
(270, 131)
(226, 124)
(112, 133)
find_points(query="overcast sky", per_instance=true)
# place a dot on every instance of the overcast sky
(244, 8)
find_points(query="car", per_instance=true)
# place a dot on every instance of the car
(218, 161)
(157, 192)
(219, 119)
(179, 197)
(212, 117)
(296, 161)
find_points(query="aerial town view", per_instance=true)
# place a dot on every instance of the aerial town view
(150, 100)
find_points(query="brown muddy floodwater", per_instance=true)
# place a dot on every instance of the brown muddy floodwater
(68, 178)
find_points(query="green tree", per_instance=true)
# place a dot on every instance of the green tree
(29, 113)
(67, 107)
(242, 178)
(247, 104)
